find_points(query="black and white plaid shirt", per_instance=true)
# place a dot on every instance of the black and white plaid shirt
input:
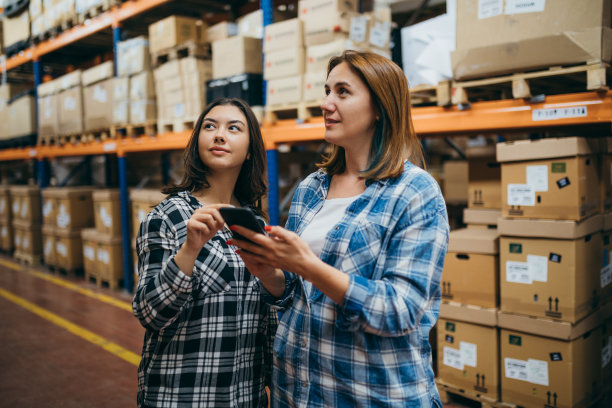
(208, 339)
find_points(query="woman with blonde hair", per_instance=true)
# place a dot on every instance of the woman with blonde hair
(357, 269)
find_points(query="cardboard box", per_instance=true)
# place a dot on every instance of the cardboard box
(74, 207)
(70, 80)
(49, 244)
(484, 183)
(283, 35)
(5, 205)
(109, 259)
(49, 207)
(470, 274)
(89, 238)
(142, 86)
(169, 70)
(541, 371)
(191, 65)
(606, 352)
(307, 8)
(605, 182)
(558, 229)
(98, 106)
(175, 30)
(455, 184)
(35, 8)
(121, 112)
(543, 34)
(318, 56)
(486, 217)
(314, 86)
(48, 116)
(121, 88)
(6, 236)
(107, 211)
(71, 111)
(68, 249)
(16, 29)
(555, 178)
(325, 28)
(22, 116)
(28, 238)
(143, 111)
(221, 31)
(469, 313)
(284, 91)
(26, 204)
(550, 277)
(605, 272)
(251, 25)
(469, 357)
(284, 63)
(98, 73)
(133, 56)
(9, 91)
(236, 55)
(143, 201)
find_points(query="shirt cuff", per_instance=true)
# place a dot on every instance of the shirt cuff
(354, 299)
(175, 278)
(285, 300)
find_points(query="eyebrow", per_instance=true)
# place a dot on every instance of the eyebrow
(339, 84)
(231, 122)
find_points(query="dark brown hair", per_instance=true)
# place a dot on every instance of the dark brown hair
(251, 183)
(394, 138)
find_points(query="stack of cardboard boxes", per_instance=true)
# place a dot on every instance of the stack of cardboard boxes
(17, 117)
(102, 245)
(6, 227)
(553, 257)
(70, 101)
(98, 88)
(48, 111)
(16, 32)
(66, 211)
(26, 219)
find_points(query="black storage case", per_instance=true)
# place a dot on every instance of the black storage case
(245, 86)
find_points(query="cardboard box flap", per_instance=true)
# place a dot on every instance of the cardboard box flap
(549, 328)
(147, 196)
(95, 236)
(476, 216)
(106, 195)
(48, 229)
(468, 313)
(521, 150)
(70, 80)
(68, 192)
(480, 240)
(560, 229)
(607, 223)
(98, 73)
(26, 225)
(68, 233)
(24, 190)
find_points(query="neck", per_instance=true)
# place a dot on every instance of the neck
(221, 190)
(357, 158)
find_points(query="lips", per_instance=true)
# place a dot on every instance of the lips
(331, 122)
(219, 150)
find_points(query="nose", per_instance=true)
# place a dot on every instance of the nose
(219, 138)
(328, 104)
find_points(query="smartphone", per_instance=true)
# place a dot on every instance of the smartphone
(243, 217)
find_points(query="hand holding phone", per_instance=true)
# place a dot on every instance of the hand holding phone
(243, 217)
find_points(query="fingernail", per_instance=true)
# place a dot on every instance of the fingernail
(268, 228)
(233, 228)
(228, 242)
(237, 251)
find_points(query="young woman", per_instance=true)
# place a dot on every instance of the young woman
(209, 333)
(363, 251)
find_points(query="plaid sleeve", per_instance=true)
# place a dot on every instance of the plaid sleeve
(414, 257)
(163, 289)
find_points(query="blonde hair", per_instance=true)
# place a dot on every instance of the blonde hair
(395, 140)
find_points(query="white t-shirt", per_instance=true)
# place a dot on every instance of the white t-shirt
(328, 216)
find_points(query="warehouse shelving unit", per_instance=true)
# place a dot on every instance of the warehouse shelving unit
(587, 109)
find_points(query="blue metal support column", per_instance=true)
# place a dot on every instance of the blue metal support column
(125, 225)
(42, 165)
(116, 39)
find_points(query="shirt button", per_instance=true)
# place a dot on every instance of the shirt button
(304, 384)
(338, 227)
(304, 343)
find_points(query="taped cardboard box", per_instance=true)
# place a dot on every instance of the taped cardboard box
(48, 116)
(251, 25)
(284, 63)
(26, 204)
(88, 237)
(143, 111)
(107, 265)
(22, 116)
(142, 86)
(49, 245)
(541, 371)
(307, 8)
(133, 56)
(68, 249)
(455, 186)
(484, 183)
(284, 91)
(98, 73)
(70, 80)
(49, 207)
(143, 201)
(28, 238)
(325, 28)
(318, 56)
(314, 86)
(71, 111)
(175, 30)
(221, 31)
(556, 178)
(236, 55)
(529, 35)
(121, 88)
(551, 277)
(16, 29)
(469, 357)
(283, 35)
(6, 236)
(107, 211)
(372, 29)
(74, 207)
(5, 205)
(98, 106)
(471, 268)
(484, 217)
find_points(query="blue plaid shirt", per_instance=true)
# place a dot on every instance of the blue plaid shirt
(374, 350)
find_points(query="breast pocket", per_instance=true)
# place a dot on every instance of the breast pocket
(364, 248)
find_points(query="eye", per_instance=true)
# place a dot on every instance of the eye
(234, 128)
(342, 91)
(327, 91)
(208, 126)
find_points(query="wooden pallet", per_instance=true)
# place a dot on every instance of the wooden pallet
(102, 283)
(526, 85)
(128, 130)
(426, 95)
(47, 141)
(28, 259)
(179, 125)
(49, 34)
(58, 270)
(187, 49)
(96, 10)
(300, 111)
(450, 393)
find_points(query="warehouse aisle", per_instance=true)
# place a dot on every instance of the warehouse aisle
(64, 342)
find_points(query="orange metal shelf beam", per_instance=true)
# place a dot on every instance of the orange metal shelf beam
(108, 19)
(18, 154)
(166, 141)
(81, 149)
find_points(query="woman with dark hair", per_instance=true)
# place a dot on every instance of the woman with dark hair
(208, 332)
(362, 252)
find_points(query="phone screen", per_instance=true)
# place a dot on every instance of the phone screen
(243, 217)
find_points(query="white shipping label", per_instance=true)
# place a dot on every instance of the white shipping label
(518, 272)
(16, 207)
(25, 244)
(61, 249)
(103, 256)
(538, 268)
(452, 358)
(100, 94)
(47, 208)
(4, 231)
(69, 103)
(63, 220)
(524, 6)
(2, 205)
(48, 247)
(89, 253)
(24, 209)
(359, 29)
(179, 110)
(516, 369)
(468, 353)
(537, 177)
(18, 241)
(380, 34)
(559, 113)
(47, 107)
(489, 8)
(606, 275)
(537, 372)
(606, 355)
(521, 194)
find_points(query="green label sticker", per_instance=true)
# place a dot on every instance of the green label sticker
(557, 167)
(515, 340)
(450, 326)
(516, 248)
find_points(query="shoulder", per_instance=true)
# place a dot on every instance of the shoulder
(311, 184)
(174, 209)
